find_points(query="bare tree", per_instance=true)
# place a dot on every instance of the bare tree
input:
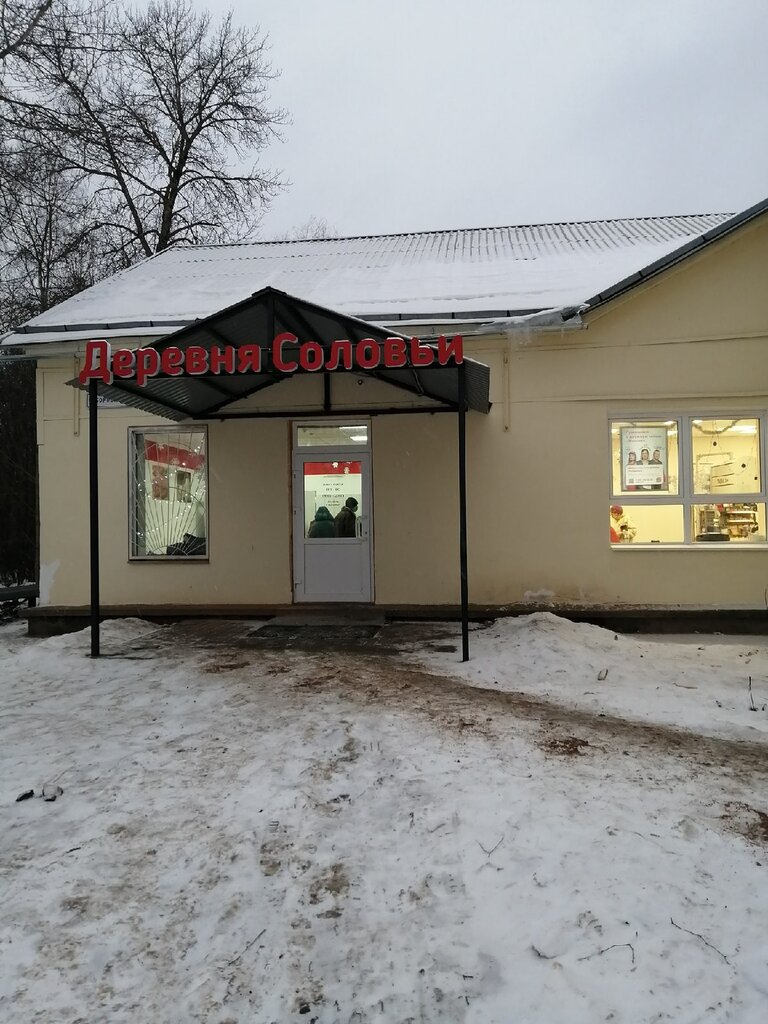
(18, 471)
(121, 133)
(312, 228)
(18, 23)
(161, 111)
(49, 247)
(48, 251)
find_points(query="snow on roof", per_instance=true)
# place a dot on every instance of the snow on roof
(464, 274)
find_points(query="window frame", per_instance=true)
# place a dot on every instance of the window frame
(686, 496)
(336, 421)
(175, 428)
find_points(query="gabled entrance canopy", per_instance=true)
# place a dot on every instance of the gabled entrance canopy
(256, 321)
(453, 387)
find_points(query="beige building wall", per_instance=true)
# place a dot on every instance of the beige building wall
(249, 510)
(693, 341)
(249, 529)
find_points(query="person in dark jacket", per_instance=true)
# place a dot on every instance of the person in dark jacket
(323, 524)
(345, 520)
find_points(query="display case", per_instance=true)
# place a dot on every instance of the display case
(724, 522)
(708, 525)
(739, 520)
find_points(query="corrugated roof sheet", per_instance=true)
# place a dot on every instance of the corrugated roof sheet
(468, 273)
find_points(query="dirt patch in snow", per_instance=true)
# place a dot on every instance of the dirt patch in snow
(455, 705)
(224, 666)
(568, 746)
(333, 882)
(746, 821)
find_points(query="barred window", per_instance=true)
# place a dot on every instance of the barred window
(168, 493)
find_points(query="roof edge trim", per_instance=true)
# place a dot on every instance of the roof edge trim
(678, 255)
(447, 316)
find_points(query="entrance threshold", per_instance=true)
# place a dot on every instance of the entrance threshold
(327, 617)
(51, 620)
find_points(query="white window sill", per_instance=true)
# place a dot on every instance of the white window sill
(171, 559)
(701, 546)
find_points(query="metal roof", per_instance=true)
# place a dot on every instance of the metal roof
(679, 254)
(257, 320)
(479, 273)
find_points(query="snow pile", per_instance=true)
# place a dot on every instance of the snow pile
(701, 685)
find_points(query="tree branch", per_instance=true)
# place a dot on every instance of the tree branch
(12, 46)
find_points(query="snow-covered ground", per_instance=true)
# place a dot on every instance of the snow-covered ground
(267, 837)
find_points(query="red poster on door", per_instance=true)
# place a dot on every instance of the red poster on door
(331, 468)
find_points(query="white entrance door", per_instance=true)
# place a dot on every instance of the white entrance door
(332, 526)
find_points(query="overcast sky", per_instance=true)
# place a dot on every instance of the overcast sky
(419, 114)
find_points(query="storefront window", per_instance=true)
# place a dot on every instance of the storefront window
(726, 456)
(332, 436)
(733, 521)
(720, 458)
(646, 524)
(169, 510)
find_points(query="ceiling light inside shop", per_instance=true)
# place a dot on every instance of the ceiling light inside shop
(358, 437)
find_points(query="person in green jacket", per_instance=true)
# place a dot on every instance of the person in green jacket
(323, 524)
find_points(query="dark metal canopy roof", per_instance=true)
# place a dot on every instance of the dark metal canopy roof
(256, 321)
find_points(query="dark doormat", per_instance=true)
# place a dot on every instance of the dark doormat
(347, 637)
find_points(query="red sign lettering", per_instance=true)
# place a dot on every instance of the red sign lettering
(141, 364)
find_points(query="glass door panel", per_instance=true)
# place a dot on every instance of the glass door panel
(332, 527)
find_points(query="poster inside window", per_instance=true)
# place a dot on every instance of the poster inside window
(644, 458)
(332, 498)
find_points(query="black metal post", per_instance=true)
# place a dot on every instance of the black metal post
(463, 513)
(93, 451)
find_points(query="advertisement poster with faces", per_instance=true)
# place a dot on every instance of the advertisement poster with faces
(644, 459)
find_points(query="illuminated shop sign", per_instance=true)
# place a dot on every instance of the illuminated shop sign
(102, 364)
